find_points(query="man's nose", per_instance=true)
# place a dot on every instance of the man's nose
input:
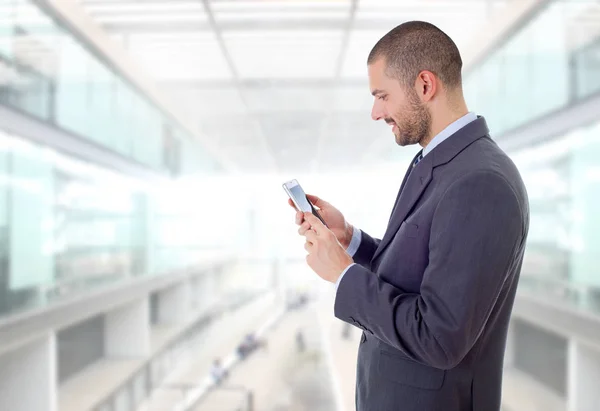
(376, 113)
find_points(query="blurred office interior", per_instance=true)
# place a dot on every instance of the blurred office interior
(144, 232)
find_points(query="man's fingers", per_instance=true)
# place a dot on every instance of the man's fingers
(314, 222)
(299, 217)
(316, 201)
(311, 236)
(308, 246)
(291, 203)
(304, 227)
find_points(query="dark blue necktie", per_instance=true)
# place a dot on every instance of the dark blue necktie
(419, 158)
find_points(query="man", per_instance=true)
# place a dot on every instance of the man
(434, 295)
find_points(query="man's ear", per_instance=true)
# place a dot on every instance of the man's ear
(426, 86)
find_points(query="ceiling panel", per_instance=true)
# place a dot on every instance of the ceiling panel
(282, 5)
(284, 54)
(279, 15)
(180, 56)
(290, 98)
(124, 7)
(205, 101)
(145, 12)
(152, 17)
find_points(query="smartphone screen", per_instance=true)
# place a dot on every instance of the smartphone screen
(298, 196)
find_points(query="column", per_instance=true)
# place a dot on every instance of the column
(28, 377)
(174, 304)
(210, 295)
(583, 376)
(201, 293)
(127, 330)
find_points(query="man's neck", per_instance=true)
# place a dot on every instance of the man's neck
(439, 123)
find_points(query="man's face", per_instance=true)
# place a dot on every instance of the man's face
(401, 108)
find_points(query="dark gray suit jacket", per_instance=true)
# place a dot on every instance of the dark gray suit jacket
(434, 296)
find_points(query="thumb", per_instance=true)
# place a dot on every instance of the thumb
(316, 201)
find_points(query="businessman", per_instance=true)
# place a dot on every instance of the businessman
(434, 295)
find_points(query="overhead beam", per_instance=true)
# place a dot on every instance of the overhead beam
(339, 65)
(119, 9)
(239, 6)
(103, 2)
(248, 25)
(324, 83)
(236, 79)
(124, 13)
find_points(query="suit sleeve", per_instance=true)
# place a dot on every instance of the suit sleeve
(366, 250)
(477, 230)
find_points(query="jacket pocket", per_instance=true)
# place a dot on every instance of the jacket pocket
(409, 373)
(409, 230)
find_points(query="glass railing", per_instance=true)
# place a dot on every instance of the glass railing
(67, 227)
(562, 176)
(49, 73)
(563, 291)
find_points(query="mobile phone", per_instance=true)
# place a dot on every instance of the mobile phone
(298, 196)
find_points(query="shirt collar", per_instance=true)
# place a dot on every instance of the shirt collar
(448, 131)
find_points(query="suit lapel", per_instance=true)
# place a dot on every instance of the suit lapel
(410, 168)
(416, 180)
(413, 186)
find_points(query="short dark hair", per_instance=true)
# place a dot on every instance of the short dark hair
(415, 46)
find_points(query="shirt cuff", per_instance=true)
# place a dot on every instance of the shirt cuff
(354, 242)
(339, 280)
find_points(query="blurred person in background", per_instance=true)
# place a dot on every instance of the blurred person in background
(435, 294)
(247, 346)
(217, 372)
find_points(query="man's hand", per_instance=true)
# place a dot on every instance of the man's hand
(333, 218)
(326, 256)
